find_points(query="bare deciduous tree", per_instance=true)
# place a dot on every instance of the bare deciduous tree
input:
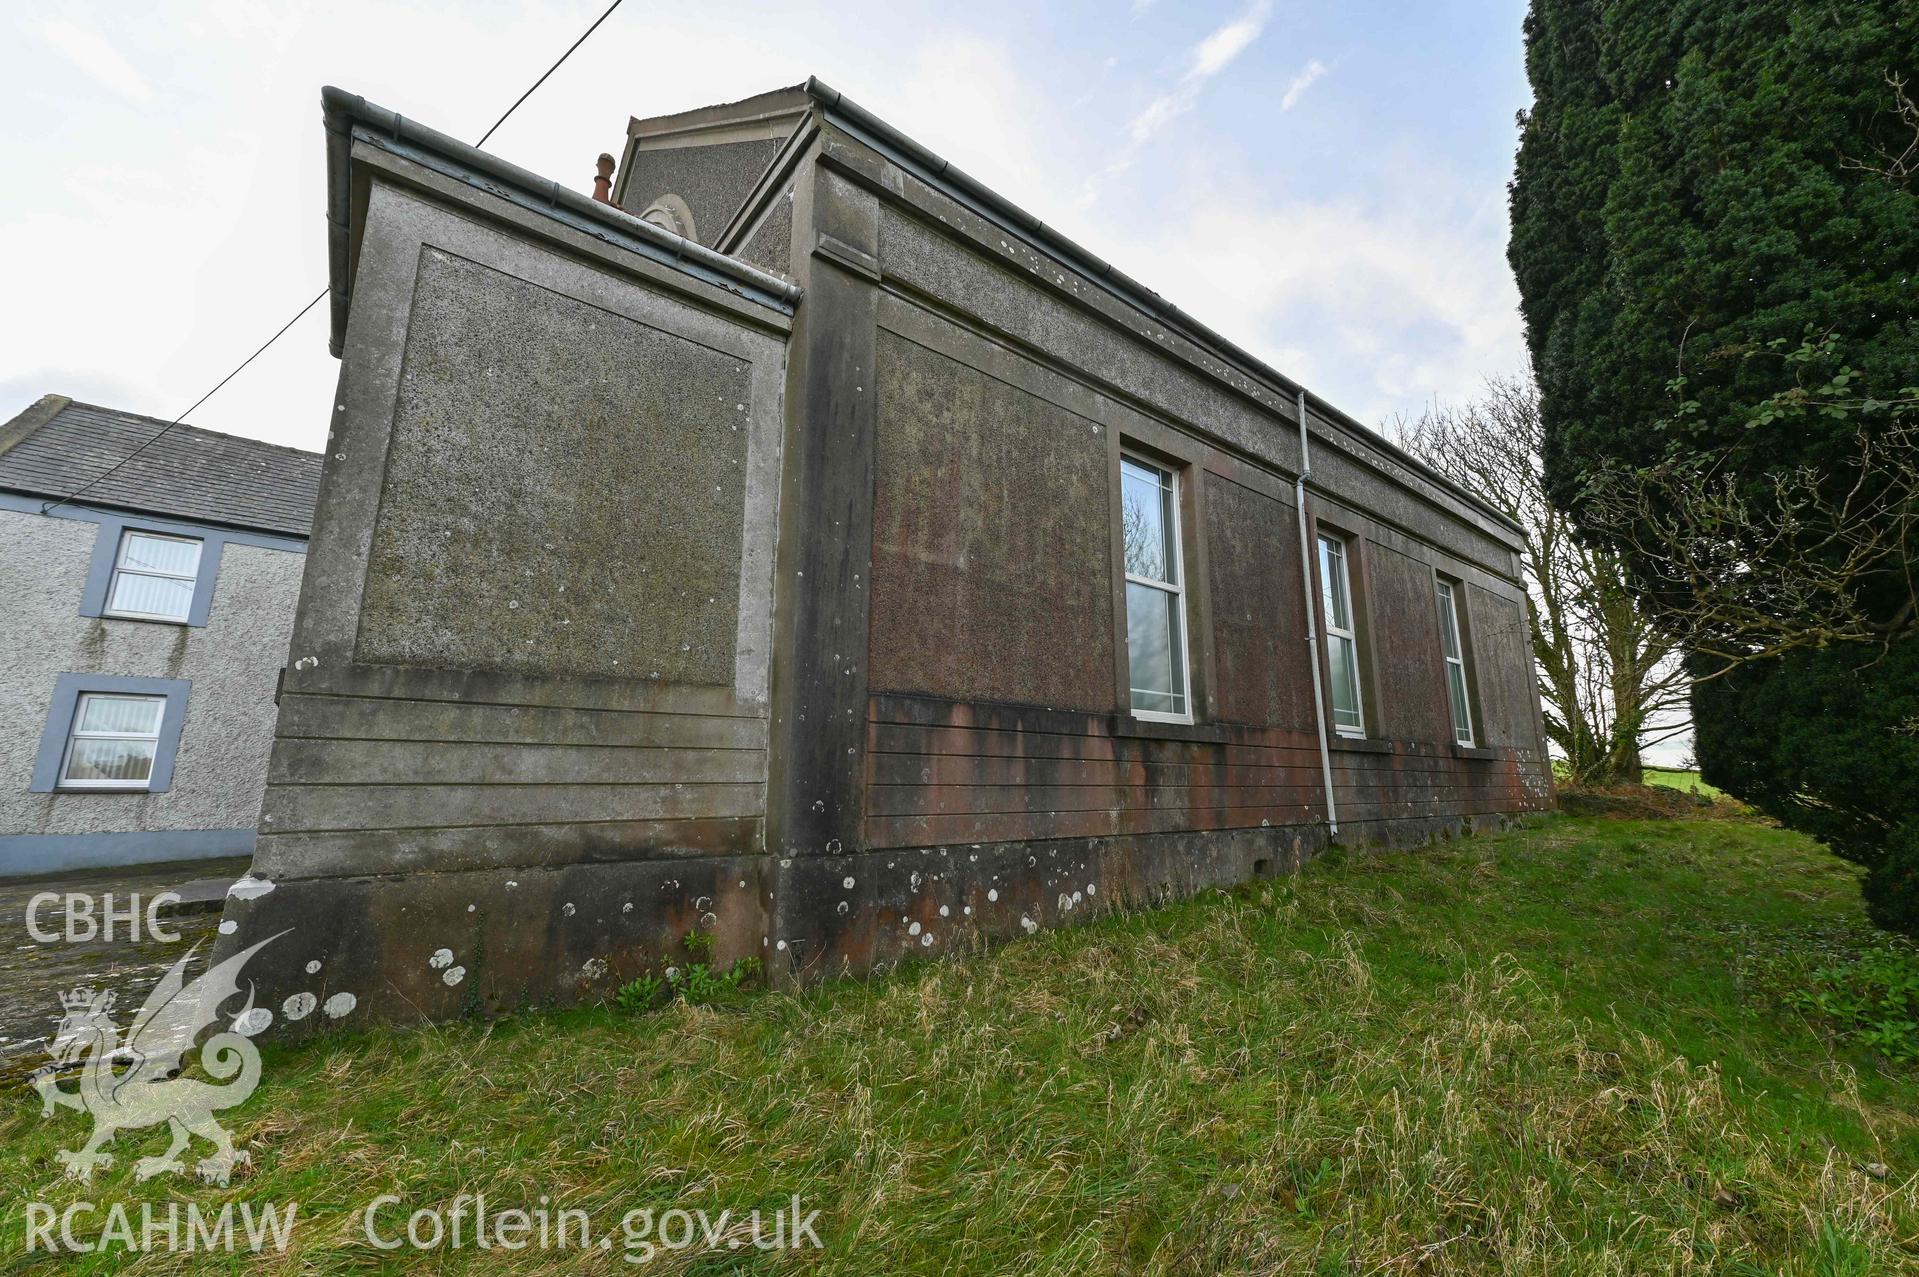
(1610, 681)
(1747, 571)
(1896, 166)
(1742, 562)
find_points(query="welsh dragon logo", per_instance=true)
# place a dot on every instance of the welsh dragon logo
(136, 1084)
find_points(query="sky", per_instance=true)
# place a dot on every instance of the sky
(1322, 182)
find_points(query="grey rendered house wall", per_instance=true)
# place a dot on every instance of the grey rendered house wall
(232, 662)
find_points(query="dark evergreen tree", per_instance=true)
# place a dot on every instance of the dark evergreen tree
(1833, 749)
(1706, 194)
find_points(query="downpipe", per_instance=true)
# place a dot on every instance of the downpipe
(1312, 622)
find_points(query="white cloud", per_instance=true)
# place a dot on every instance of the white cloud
(1302, 82)
(1379, 298)
(89, 51)
(170, 242)
(1379, 293)
(962, 97)
(1217, 51)
(1208, 58)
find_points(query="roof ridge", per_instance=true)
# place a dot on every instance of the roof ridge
(186, 425)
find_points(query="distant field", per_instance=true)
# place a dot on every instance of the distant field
(1675, 779)
(1670, 777)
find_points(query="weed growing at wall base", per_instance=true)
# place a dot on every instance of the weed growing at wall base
(694, 982)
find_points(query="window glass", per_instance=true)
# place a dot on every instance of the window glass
(114, 741)
(109, 762)
(1455, 656)
(1448, 622)
(147, 553)
(1345, 663)
(136, 714)
(1155, 601)
(154, 577)
(1332, 581)
(163, 597)
(1462, 718)
(1342, 643)
(1147, 521)
(1152, 631)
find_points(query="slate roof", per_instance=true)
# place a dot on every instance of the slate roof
(58, 445)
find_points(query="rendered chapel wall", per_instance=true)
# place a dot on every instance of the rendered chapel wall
(1502, 648)
(991, 544)
(1264, 672)
(957, 756)
(997, 292)
(945, 579)
(1405, 638)
(711, 179)
(564, 491)
(525, 716)
(536, 533)
(770, 246)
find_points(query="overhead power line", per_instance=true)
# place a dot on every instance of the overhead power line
(51, 506)
(549, 71)
(159, 434)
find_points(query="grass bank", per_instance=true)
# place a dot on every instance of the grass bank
(1543, 1052)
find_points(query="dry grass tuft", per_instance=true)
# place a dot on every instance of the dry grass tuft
(1526, 1054)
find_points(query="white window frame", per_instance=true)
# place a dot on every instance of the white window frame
(120, 569)
(1177, 588)
(1349, 631)
(1455, 661)
(75, 734)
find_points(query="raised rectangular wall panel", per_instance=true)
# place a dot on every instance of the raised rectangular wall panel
(564, 493)
(1264, 671)
(540, 599)
(991, 539)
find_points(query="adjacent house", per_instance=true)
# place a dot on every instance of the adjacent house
(801, 544)
(149, 576)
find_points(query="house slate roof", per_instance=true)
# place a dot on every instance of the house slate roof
(59, 447)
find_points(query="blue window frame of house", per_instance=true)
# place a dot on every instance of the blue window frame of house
(149, 570)
(155, 577)
(111, 734)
